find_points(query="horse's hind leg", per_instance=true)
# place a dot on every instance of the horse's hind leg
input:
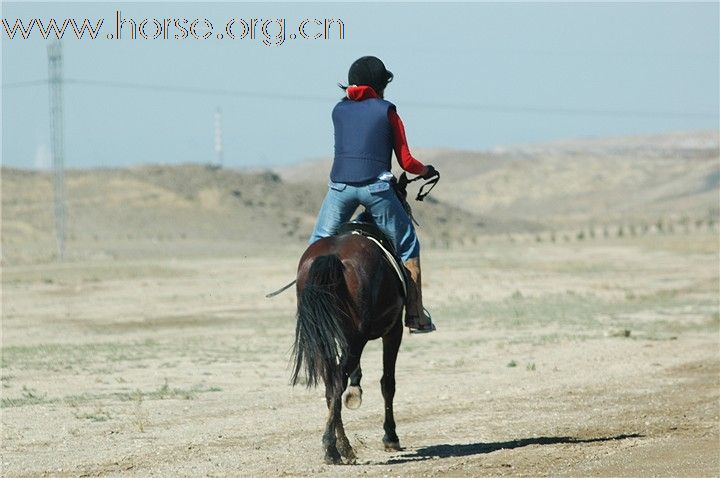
(352, 363)
(391, 345)
(332, 397)
(343, 444)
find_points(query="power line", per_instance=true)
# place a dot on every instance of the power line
(196, 90)
(431, 105)
(21, 84)
(562, 111)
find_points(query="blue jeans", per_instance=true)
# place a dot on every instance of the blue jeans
(380, 202)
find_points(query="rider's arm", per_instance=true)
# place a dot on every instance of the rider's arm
(402, 150)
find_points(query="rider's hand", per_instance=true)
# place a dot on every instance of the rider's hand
(429, 172)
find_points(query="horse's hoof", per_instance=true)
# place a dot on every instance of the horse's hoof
(392, 446)
(333, 458)
(348, 453)
(353, 397)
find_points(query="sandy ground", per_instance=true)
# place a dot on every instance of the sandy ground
(180, 367)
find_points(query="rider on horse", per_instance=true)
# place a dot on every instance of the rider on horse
(367, 130)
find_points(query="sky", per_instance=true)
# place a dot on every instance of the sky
(470, 76)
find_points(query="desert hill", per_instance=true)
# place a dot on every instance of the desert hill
(182, 210)
(571, 183)
(192, 209)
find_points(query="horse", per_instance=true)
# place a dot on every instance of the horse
(347, 294)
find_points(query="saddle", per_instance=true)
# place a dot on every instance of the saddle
(372, 232)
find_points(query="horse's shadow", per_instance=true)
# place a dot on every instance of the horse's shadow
(449, 451)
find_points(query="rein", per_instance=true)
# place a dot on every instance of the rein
(401, 191)
(423, 192)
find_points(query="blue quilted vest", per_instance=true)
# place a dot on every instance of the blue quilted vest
(363, 140)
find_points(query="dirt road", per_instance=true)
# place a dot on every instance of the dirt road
(586, 359)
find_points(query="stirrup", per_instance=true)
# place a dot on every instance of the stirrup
(424, 328)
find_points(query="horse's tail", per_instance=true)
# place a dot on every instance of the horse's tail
(319, 339)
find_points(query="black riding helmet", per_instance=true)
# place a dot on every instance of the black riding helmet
(370, 71)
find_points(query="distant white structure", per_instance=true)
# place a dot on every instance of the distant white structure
(218, 138)
(43, 158)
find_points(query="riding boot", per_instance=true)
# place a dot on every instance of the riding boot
(416, 317)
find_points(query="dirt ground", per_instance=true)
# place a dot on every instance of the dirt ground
(595, 358)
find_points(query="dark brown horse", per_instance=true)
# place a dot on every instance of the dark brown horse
(348, 294)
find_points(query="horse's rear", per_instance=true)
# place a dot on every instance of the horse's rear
(347, 294)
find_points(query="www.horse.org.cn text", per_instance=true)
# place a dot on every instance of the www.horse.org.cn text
(269, 32)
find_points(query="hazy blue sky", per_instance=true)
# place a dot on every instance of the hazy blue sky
(467, 76)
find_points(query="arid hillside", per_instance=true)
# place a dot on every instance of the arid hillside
(194, 210)
(578, 182)
(178, 211)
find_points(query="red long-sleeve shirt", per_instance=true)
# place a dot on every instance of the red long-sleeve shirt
(400, 145)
